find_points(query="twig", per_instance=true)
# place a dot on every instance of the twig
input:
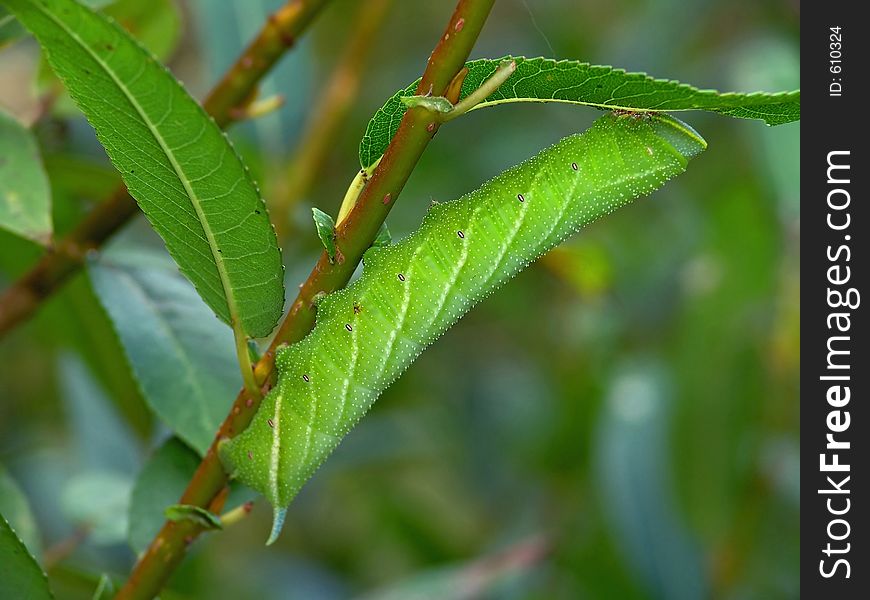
(231, 517)
(238, 87)
(57, 552)
(226, 102)
(355, 234)
(328, 115)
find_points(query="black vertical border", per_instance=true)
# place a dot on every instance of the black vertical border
(834, 123)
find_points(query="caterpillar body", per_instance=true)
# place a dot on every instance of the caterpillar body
(411, 292)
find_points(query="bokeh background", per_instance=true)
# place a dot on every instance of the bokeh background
(621, 421)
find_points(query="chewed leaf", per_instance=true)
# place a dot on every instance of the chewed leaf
(325, 231)
(574, 82)
(196, 514)
(409, 293)
(176, 162)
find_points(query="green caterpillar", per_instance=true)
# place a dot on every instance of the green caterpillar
(410, 293)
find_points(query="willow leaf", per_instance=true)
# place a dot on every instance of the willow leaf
(159, 484)
(325, 227)
(409, 293)
(25, 196)
(181, 356)
(15, 507)
(574, 82)
(20, 575)
(176, 162)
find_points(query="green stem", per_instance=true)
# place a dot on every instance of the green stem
(247, 369)
(231, 517)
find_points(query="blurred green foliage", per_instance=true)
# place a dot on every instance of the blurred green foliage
(632, 398)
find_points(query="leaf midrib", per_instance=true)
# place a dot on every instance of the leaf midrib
(179, 172)
(487, 103)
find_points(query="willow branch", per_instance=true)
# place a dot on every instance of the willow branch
(354, 236)
(226, 103)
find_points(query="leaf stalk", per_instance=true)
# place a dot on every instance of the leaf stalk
(244, 357)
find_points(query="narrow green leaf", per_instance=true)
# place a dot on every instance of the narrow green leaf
(181, 355)
(15, 507)
(325, 231)
(573, 82)
(25, 196)
(99, 501)
(159, 484)
(178, 165)
(20, 575)
(253, 352)
(89, 409)
(384, 237)
(11, 29)
(155, 24)
(632, 442)
(197, 514)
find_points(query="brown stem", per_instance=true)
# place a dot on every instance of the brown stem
(238, 87)
(225, 103)
(328, 115)
(353, 237)
(57, 552)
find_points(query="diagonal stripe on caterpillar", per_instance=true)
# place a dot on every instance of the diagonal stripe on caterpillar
(410, 293)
